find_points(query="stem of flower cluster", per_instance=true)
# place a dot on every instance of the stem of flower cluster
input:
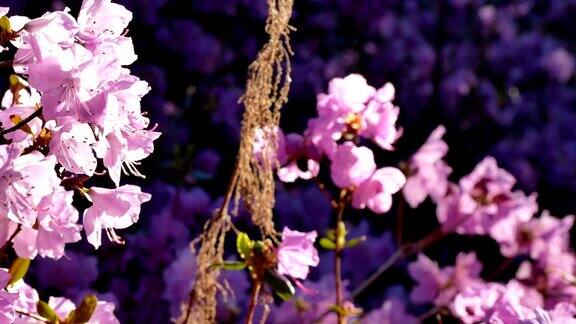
(400, 221)
(253, 301)
(6, 64)
(405, 250)
(36, 317)
(340, 241)
(3, 248)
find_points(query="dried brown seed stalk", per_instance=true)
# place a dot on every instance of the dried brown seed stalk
(253, 180)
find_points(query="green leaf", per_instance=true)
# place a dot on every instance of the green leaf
(234, 265)
(18, 269)
(355, 241)
(331, 235)
(47, 312)
(244, 245)
(84, 311)
(327, 243)
(279, 284)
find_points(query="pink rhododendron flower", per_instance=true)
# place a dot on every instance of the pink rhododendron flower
(354, 168)
(296, 253)
(552, 274)
(536, 237)
(495, 303)
(292, 152)
(56, 226)
(26, 300)
(69, 79)
(476, 302)
(25, 180)
(353, 108)
(376, 192)
(7, 299)
(428, 173)
(439, 286)
(300, 160)
(483, 199)
(351, 165)
(101, 19)
(261, 138)
(72, 145)
(24, 136)
(112, 209)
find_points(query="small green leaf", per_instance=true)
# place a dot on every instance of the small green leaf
(331, 235)
(244, 245)
(84, 311)
(327, 243)
(47, 312)
(279, 284)
(355, 241)
(18, 269)
(234, 265)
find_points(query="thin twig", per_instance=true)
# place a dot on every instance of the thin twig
(400, 221)
(18, 229)
(6, 64)
(23, 122)
(406, 250)
(253, 301)
(34, 316)
(390, 262)
(338, 257)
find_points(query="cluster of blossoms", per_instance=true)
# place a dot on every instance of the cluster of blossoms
(352, 110)
(483, 203)
(72, 113)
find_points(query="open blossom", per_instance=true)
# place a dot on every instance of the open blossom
(351, 165)
(483, 199)
(56, 226)
(353, 108)
(376, 192)
(428, 173)
(25, 180)
(536, 237)
(493, 302)
(439, 286)
(552, 273)
(7, 299)
(297, 159)
(72, 145)
(300, 159)
(296, 253)
(101, 19)
(92, 100)
(112, 209)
